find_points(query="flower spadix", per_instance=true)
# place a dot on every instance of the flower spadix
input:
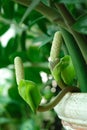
(28, 90)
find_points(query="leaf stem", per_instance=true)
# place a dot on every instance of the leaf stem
(28, 11)
(77, 59)
(69, 21)
(49, 12)
(56, 100)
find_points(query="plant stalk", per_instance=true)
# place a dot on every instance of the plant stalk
(56, 100)
(77, 59)
(51, 14)
(69, 21)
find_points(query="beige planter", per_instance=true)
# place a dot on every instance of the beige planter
(72, 110)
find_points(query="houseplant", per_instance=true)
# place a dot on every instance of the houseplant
(63, 16)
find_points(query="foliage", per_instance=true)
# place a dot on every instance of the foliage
(34, 27)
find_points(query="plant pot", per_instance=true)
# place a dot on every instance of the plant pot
(72, 110)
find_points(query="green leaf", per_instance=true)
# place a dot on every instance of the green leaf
(14, 110)
(29, 91)
(67, 70)
(13, 94)
(81, 25)
(8, 7)
(33, 74)
(34, 53)
(34, 17)
(30, 8)
(3, 28)
(43, 39)
(1, 49)
(19, 12)
(21, 54)
(64, 70)
(11, 46)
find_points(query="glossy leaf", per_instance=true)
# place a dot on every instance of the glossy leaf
(81, 25)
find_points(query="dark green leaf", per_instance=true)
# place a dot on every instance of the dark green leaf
(33, 74)
(42, 25)
(1, 49)
(11, 46)
(14, 110)
(30, 8)
(33, 16)
(3, 28)
(81, 25)
(13, 93)
(8, 7)
(21, 54)
(34, 54)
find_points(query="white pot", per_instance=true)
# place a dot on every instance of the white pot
(72, 110)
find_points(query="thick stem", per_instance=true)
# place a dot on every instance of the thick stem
(50, 13)
(57, 99)
(77, 58)
(69, 21)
